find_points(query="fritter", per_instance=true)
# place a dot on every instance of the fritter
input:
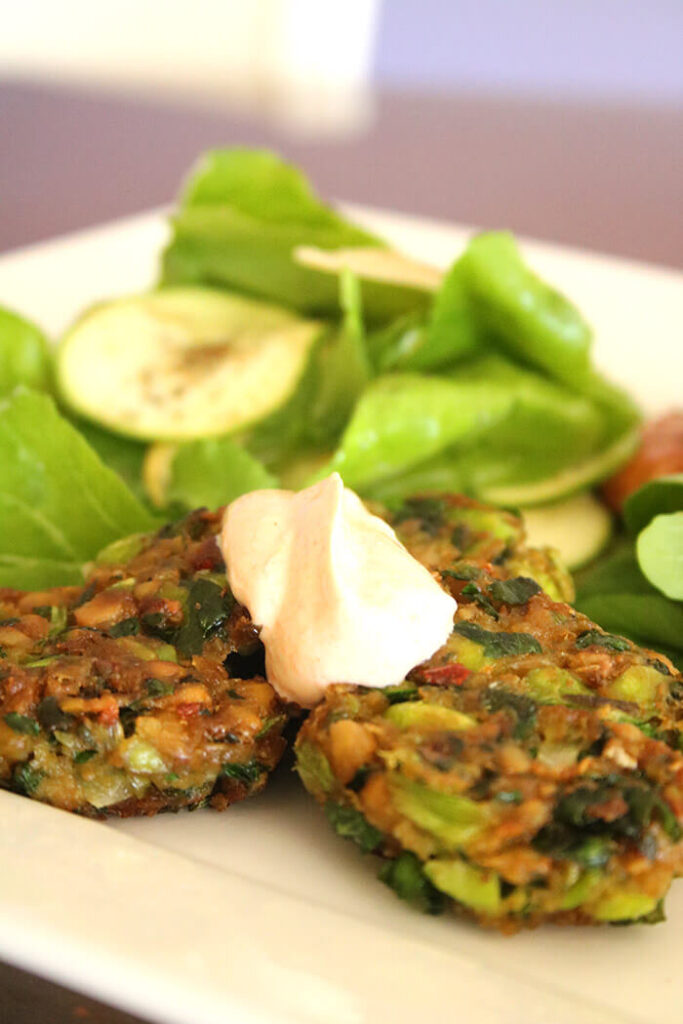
(530, 771)
(451, 531)
(139, 692)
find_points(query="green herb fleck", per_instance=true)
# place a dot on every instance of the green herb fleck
(22, 723)
(207, 609)
(595, 637)
(498, 645)
(247, 774)
(498, 698)
(405, 876)
(127, 627)
(83, 756)
(480, 598)
(515, 591)
(27, 779)
(430, 511)
(401, 693)
(465, 572)
(51, 716)
(509, 796)
(270, 723)
(350, 823)
(158, 688)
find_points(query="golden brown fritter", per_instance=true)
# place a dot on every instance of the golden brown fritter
(125, 696)
(531, 770)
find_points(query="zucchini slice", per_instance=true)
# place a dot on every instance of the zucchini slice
(183, 363)
(578, 528)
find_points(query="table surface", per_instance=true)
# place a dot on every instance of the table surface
(604, 177)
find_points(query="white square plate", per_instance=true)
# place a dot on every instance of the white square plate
(261, 914)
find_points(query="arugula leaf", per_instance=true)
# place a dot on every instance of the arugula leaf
(59, 505)
(24, 354)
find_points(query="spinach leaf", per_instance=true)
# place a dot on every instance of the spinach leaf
(24, 354)
(498, 645)
(405, 876)
(59, 505)
(51, 716)
(431, 513)
(207, 608)
(350, 823)
(127, 627)
(499, 698)
(473, 591)
(596, 638)
(514, 591)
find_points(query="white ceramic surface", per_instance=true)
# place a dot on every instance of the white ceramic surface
(260, 915)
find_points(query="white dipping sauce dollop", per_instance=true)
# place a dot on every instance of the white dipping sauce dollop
(336, 595)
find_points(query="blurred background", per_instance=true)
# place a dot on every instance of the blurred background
(561, 120)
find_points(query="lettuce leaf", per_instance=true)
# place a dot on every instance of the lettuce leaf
(242, 216)
(59, 505)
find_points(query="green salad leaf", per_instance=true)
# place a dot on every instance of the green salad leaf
(59, 505)
(122, 454)
(403, 419)
(24, 354)
(242, 217)
(486, 424)
(212, 472)
(657, 497)
(660, 554)
(531, 320)
(637, 588)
